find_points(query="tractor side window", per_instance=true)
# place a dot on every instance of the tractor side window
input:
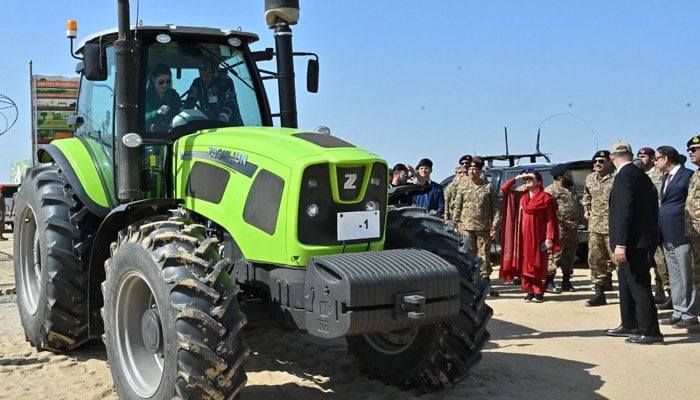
(96, 120)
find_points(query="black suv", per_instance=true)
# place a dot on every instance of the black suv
(499, 174)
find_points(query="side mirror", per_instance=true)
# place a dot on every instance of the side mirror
(95, 62)
(264, 55)
(312, 76)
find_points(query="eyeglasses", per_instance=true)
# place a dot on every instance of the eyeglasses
(599, 161)
(691, 150)
(660, 157)
(164, 81)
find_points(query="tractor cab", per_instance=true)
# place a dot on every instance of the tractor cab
(188, 79)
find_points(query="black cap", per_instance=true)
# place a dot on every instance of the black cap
(694, 141)
(465, 159)
(601, 154)
(425, 163)
(559, 170)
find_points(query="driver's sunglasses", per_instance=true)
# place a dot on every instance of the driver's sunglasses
(691, 150)
(164, 81)
(599, 161)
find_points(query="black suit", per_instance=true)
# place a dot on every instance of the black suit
(633, 223)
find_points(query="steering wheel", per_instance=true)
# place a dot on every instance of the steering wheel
(184, 96)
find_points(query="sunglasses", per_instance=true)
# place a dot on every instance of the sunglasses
(164, 81)
(464, 163)
(691, 150)
(599, 161)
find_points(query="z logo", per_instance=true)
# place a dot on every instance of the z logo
(350, 180)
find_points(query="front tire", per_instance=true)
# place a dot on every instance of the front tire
(434, 356)
(172, 321)
(52, 241)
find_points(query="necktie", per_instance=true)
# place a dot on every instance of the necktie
(668, 181)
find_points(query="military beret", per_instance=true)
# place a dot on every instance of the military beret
(559, 170)
(694, 141)
(466, 159)
(646, 150)
(476, 163)
(601, 153)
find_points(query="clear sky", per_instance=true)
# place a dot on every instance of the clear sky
(439, 79)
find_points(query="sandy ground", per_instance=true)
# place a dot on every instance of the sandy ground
(553, 350)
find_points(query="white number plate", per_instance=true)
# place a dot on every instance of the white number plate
(358, 225)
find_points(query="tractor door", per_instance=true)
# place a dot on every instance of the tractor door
(95, 124)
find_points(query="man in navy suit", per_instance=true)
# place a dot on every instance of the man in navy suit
(674, 190)
(633, 226)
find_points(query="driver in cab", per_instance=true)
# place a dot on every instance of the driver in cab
(213, 93)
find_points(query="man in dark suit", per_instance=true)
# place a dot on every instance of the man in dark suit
(634, 233)
(674, 190)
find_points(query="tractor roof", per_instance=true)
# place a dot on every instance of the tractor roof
(110, 35)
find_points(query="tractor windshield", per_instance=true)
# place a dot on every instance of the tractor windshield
(198, 82)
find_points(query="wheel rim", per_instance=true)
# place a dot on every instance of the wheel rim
(393, 342)
(142, 366)
(30, 262)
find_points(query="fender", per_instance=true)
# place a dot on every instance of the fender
(119, 218)
(87, 182)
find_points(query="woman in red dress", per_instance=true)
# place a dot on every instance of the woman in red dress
(536, 233)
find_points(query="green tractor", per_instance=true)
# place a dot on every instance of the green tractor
(166, 241)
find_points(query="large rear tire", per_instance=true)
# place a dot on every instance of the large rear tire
(52, 241)
(434, 356)
(172, 320)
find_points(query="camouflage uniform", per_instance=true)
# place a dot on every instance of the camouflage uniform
(596, 198)
(568, 209)
(661, 272)
(476, 212)
(692, 224)
(450, 193)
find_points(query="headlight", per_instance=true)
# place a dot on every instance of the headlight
(376, 181)
(312, 210)
(312, 183)
(372, 205)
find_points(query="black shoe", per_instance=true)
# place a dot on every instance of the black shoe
(566, 286)
(622, 331)
(552, 288)
(645, 339)
(529, 297)
(598, 299)
(668, 305)
(539, 298)
(493, 293)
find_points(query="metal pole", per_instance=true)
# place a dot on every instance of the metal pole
(126, 95)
